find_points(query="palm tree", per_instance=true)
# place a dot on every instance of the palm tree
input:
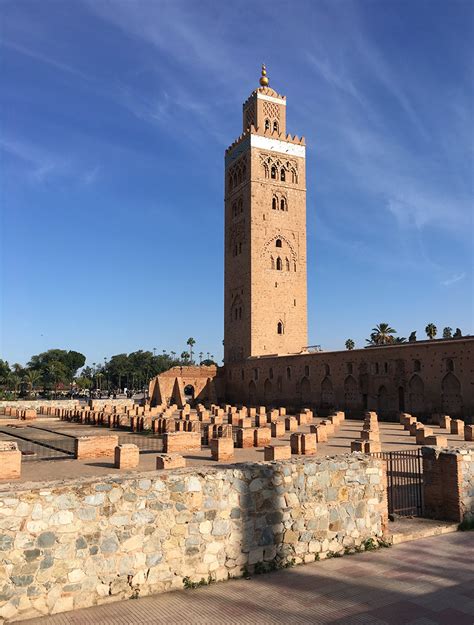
(201, 354)
(447, 333)
(191, 342)
(382, 334)
(349, 344)
(431, 330)
(32, 377)
(400, 339)
(185, 357)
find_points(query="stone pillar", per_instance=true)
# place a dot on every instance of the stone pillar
(10, 461)
(127, 456)
(222, 449)
(448, 483)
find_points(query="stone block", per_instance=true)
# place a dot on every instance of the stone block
(370, 435)
(181, 441)
(245, 438)
(245, 422)
(329, 427)
(262, 410)
(282, 411)
(469, 432)
(457, 427)
(95, 446)
(291, 424)
(29, 414)
(445, 422)
(302, 418)
(170, 461)
(358, 445)
(436, 439)
(277, 452)
(261, 420)
(416, 425)
(10, 461)
(273, 416)
(277, 429)
(308, 444)
(252, 412)
(217, 419)
(296, 441)
(320, 431)
(408, 423)
(222, 449)
(127, 456)
(421, 435)
(261, 437)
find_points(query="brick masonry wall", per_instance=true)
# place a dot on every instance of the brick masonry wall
(448, 487)
(71, 544)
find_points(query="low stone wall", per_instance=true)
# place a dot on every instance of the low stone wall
(36, 403)
(71, 544)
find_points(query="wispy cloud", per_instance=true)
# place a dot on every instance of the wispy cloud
(456, 278)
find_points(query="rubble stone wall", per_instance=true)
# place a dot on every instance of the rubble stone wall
(72, 544)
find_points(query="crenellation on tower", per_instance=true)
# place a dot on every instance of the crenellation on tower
(265, 233)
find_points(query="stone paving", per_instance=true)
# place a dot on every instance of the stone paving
(426, 582)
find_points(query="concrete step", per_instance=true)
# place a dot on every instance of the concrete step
(405, 529)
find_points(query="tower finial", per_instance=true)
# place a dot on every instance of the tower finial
(264, 79)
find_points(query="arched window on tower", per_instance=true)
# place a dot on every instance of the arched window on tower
(274, 203)
(273, 262)
(235, 180)
(287, 265)
(270, 373)
(241, 206)
(279, 327)
(294, 177)
(273, 173)
(294, 266)
(283, 204)
(288, 373)
(282, 175)
(244, 171)
(240, 176)
(416, 365)
(267, 124)
(449, 365)
(275, 126)
(278, 243)
(279, 264)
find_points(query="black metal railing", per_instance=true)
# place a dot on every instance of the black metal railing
(404, 481)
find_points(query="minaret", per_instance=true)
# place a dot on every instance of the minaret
(265, 233)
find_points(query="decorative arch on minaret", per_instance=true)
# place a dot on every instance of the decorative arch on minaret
(283, 243)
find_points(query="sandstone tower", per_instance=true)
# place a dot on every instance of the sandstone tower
(265, 233)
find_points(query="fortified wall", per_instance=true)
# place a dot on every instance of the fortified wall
(421, 378)
(71, 544)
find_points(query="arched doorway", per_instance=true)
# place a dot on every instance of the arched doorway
(189, 392)
(382, 399)
(417, 395)
(451, 394)
(401, 399)
(267, 391)
(252, 393)
(305, 390)
(351, 393)
(327, 393)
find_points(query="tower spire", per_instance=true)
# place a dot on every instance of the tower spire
(264, 81)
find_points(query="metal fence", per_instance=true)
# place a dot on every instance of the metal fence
(404, 481)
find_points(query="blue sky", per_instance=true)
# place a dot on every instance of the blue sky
(114, 120)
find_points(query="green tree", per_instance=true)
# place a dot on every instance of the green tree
(457, 334)
(83, 382)
(447, 332)
(191, 342)
(32, 378)
(349, 344)
(4, 372)
(382, 334)
(431, 330)
(185, 357)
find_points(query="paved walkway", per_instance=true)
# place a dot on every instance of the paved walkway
(426, 582)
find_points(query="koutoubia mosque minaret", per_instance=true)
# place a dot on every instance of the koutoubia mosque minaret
(265, 233)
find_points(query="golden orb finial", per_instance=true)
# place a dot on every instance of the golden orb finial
(264, 79)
